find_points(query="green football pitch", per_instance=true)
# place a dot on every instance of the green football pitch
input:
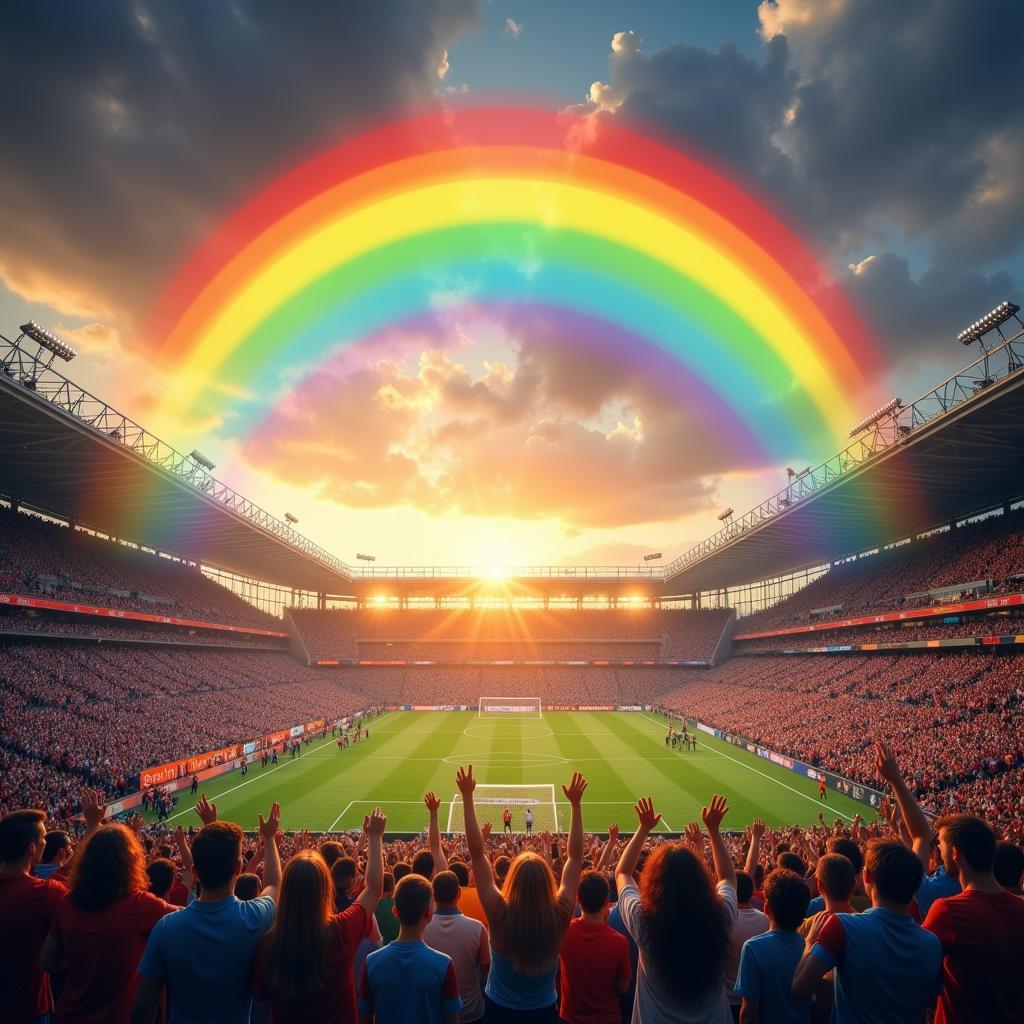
(518, 761)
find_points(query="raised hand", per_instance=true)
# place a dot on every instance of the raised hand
(613, 832)
(885, 764)
(268, 828)
(695, 838)
(714, 814)
(375, 823)
(465, 781)
(646, 815)
(432, 803)
(207, 812)
(93, 808)
(757, 827)
(574, 791)
(485, 829)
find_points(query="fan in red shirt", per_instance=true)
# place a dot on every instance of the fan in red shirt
(595, 968)
(981, 930)
(99, 930)
(27, 905)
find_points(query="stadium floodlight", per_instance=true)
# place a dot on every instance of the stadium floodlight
(652, 557)
(727, 514)
(202, 460)
(366, 558)
(879, 414)
(289, 518)
(41, 336)
(1006, 310)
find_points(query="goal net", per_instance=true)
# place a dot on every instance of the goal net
(491, 802)
(502, 707)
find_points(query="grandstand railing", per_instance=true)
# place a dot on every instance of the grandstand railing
(36, 375)
(888, 431)
(516, 571)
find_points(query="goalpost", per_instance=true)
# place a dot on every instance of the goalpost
(502, 707)
(491, 801)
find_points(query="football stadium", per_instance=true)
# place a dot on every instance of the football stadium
(773, 772)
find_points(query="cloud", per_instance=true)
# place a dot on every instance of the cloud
(513, 28)
(139, 124)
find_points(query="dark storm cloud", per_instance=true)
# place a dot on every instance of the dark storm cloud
(130, 127)
(874, 124)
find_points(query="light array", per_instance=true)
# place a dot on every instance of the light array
(201, 459)
(366, 558)
(1003, 312)
(49, 341)
(290, 518)
(868, 421)
(727, 514)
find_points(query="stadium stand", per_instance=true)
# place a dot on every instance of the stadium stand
(519, 634)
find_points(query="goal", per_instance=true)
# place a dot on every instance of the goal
(491, 802)
(501, 707)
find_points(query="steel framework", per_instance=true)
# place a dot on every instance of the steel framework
(892, 429)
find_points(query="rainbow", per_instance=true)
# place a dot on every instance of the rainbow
(652, 253)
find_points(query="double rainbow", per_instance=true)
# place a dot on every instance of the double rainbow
(648, 251)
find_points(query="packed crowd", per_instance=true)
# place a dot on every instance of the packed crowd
(999, 624)
(518, 633)
(14, 620)
(953, 718)
(885, 923)
(990, 550)
(99, 715)
(43, 559)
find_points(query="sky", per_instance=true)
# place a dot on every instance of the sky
(889, 135)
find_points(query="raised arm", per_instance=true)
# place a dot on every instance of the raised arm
(915, 820)
(754, 853)
(434, 833)
(608, 849)
(271, 855)
(713, 816)
(373, 884)
(573, 867)
(188, 878)
(647, 822)
(490, 899)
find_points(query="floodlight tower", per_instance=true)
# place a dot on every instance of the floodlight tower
(991, 321)
(28, 366)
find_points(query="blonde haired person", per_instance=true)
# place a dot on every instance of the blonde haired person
(528, 917)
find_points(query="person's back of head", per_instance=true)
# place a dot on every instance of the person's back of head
(685, 923)
(1008, 865)
(297, 947)
(461, 872)
(501, 869)
(413, 900)
(446, 888)
(530, 921)
(22, 835)
(836, 877)
(55, 844)
(787, 896)
(744, 888)
(400, 870)
(343, 874)
(217, 854)
(894, 871)
(791, 862)
(966, 842)
(247, 886)
(388, 889)
(109, 866)
(161, 876)
(423, 864)
(331, 851)
(849, 849)
(592, 894)
(758, 876)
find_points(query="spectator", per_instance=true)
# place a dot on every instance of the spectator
(887, 968)
(981, 930)
(99, 930)
(836, 882)
(464, 940)
(768, 961)
(1008, 867)
(407, 980)
(203, 955)
(304, 963)
(386, 920)
(248, 886)
(749, 922)
(681, 968)
(57, 851)
(528, 918)
(595, 969)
